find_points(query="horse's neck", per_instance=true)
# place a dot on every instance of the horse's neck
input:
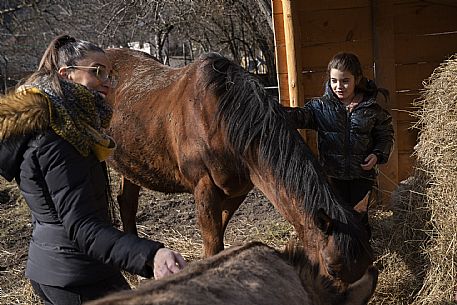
(289, 207)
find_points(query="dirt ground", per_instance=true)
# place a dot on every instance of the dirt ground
(169, 218)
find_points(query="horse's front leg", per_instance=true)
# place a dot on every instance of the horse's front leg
(209, 215)
(127, 199)
(229, 208)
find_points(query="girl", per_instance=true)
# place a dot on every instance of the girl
(354, 132)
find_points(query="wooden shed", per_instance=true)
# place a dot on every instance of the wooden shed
(399, 42)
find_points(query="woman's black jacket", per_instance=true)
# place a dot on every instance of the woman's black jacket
(73, 242)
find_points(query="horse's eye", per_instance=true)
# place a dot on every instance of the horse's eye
(332, 272)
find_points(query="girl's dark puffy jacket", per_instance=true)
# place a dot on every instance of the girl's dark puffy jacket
(345, 138)
(73, 242)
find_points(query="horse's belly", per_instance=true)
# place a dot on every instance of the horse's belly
(150, 177)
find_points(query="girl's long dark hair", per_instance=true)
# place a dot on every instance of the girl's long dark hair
(345, 61)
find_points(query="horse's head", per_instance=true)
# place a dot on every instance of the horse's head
(344, 249)
(323, 289)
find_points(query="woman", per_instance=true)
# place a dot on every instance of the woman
(354, 132)
(53, 145)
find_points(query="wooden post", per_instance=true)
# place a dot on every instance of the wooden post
(275, 15)
(384, 70)
(293, 61)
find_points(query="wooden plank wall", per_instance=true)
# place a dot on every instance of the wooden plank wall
(399, 43)
(425, 35)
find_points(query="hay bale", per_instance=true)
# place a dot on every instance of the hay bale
(416, 242)
(437, 163)
(398, 241)
(436, 156)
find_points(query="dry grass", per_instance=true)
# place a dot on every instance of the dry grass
(14, 236)
(400, 276)
(399, 237)
(395, 241)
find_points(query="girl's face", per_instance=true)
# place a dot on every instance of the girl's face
(93, 71)
(342, 84)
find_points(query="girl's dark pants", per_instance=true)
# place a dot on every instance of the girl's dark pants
(77, 295)
(352, 192)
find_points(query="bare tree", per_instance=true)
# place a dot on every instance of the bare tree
(265, 8)
(27, 26)
(239, 29)
(24, 29)
(236, 28)
(149, 21)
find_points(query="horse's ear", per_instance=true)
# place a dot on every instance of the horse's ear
(324, 222)
(362, 206)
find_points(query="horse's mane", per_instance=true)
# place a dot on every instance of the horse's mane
(256, 124)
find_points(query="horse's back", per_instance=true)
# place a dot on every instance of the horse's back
(164, 125)
(140, 73)
(249, 274)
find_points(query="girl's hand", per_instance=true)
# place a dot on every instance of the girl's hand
(370, 161)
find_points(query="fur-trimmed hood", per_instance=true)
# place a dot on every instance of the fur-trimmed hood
(77, 118)
(23, 113)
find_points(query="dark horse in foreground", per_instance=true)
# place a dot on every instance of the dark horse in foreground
(211, 130)
(251, 274)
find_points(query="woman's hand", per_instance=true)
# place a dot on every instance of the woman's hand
(370, 161)
(167, 262)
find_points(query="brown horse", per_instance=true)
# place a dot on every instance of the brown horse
(211, 130)
(249, 274)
